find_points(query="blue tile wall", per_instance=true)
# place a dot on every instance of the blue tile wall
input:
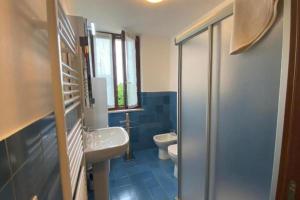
(159, 116)
(173, 109)
(29, 163)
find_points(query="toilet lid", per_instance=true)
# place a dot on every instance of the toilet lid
(172, 149)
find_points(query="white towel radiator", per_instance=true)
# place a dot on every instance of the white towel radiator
(67, 90)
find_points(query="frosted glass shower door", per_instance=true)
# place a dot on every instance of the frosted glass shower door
(194, 99)
(245, 94)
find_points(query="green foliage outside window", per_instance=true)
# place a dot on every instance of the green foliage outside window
(120, 94)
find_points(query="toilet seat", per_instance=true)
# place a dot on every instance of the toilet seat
(165, 138)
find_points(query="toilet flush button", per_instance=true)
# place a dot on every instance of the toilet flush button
(35, 198)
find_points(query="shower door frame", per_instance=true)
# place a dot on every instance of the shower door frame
(221, 12)
(208, 108)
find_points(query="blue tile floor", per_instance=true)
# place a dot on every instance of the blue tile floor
(145, 178)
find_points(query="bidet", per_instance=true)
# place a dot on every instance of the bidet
(163, 141)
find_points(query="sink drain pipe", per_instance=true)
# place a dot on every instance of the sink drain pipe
(129, 153)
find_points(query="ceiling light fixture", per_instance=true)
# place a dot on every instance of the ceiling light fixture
(154, 1)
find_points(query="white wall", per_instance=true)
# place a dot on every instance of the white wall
(173, 81)
(25, 72)
(159, 64)
(68, 6)
(155, 62)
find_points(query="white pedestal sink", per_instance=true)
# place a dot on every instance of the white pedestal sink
(100, 146)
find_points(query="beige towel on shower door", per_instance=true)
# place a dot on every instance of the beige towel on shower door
(252, 19)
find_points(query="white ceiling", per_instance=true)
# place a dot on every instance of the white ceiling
(164, 19)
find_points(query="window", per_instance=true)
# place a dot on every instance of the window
(116, 58)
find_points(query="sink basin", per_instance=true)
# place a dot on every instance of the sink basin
(105, 144)
(99, 147)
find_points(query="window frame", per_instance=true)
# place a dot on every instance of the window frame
(122, 37)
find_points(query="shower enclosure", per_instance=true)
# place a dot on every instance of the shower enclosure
(228, 108)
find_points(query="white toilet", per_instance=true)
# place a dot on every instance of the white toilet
(163, 141)
(172, 150)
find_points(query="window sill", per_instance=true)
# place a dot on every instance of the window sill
(126, 110)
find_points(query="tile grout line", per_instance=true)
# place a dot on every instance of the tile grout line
(160, 184)
(10, 170)
(12, 174)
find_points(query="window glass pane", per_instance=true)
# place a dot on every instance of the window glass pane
(104, 64)
(131, 72)
(120, 72)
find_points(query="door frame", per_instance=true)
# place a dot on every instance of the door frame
(291, 128)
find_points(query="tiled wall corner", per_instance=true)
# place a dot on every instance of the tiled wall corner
(159, 116)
